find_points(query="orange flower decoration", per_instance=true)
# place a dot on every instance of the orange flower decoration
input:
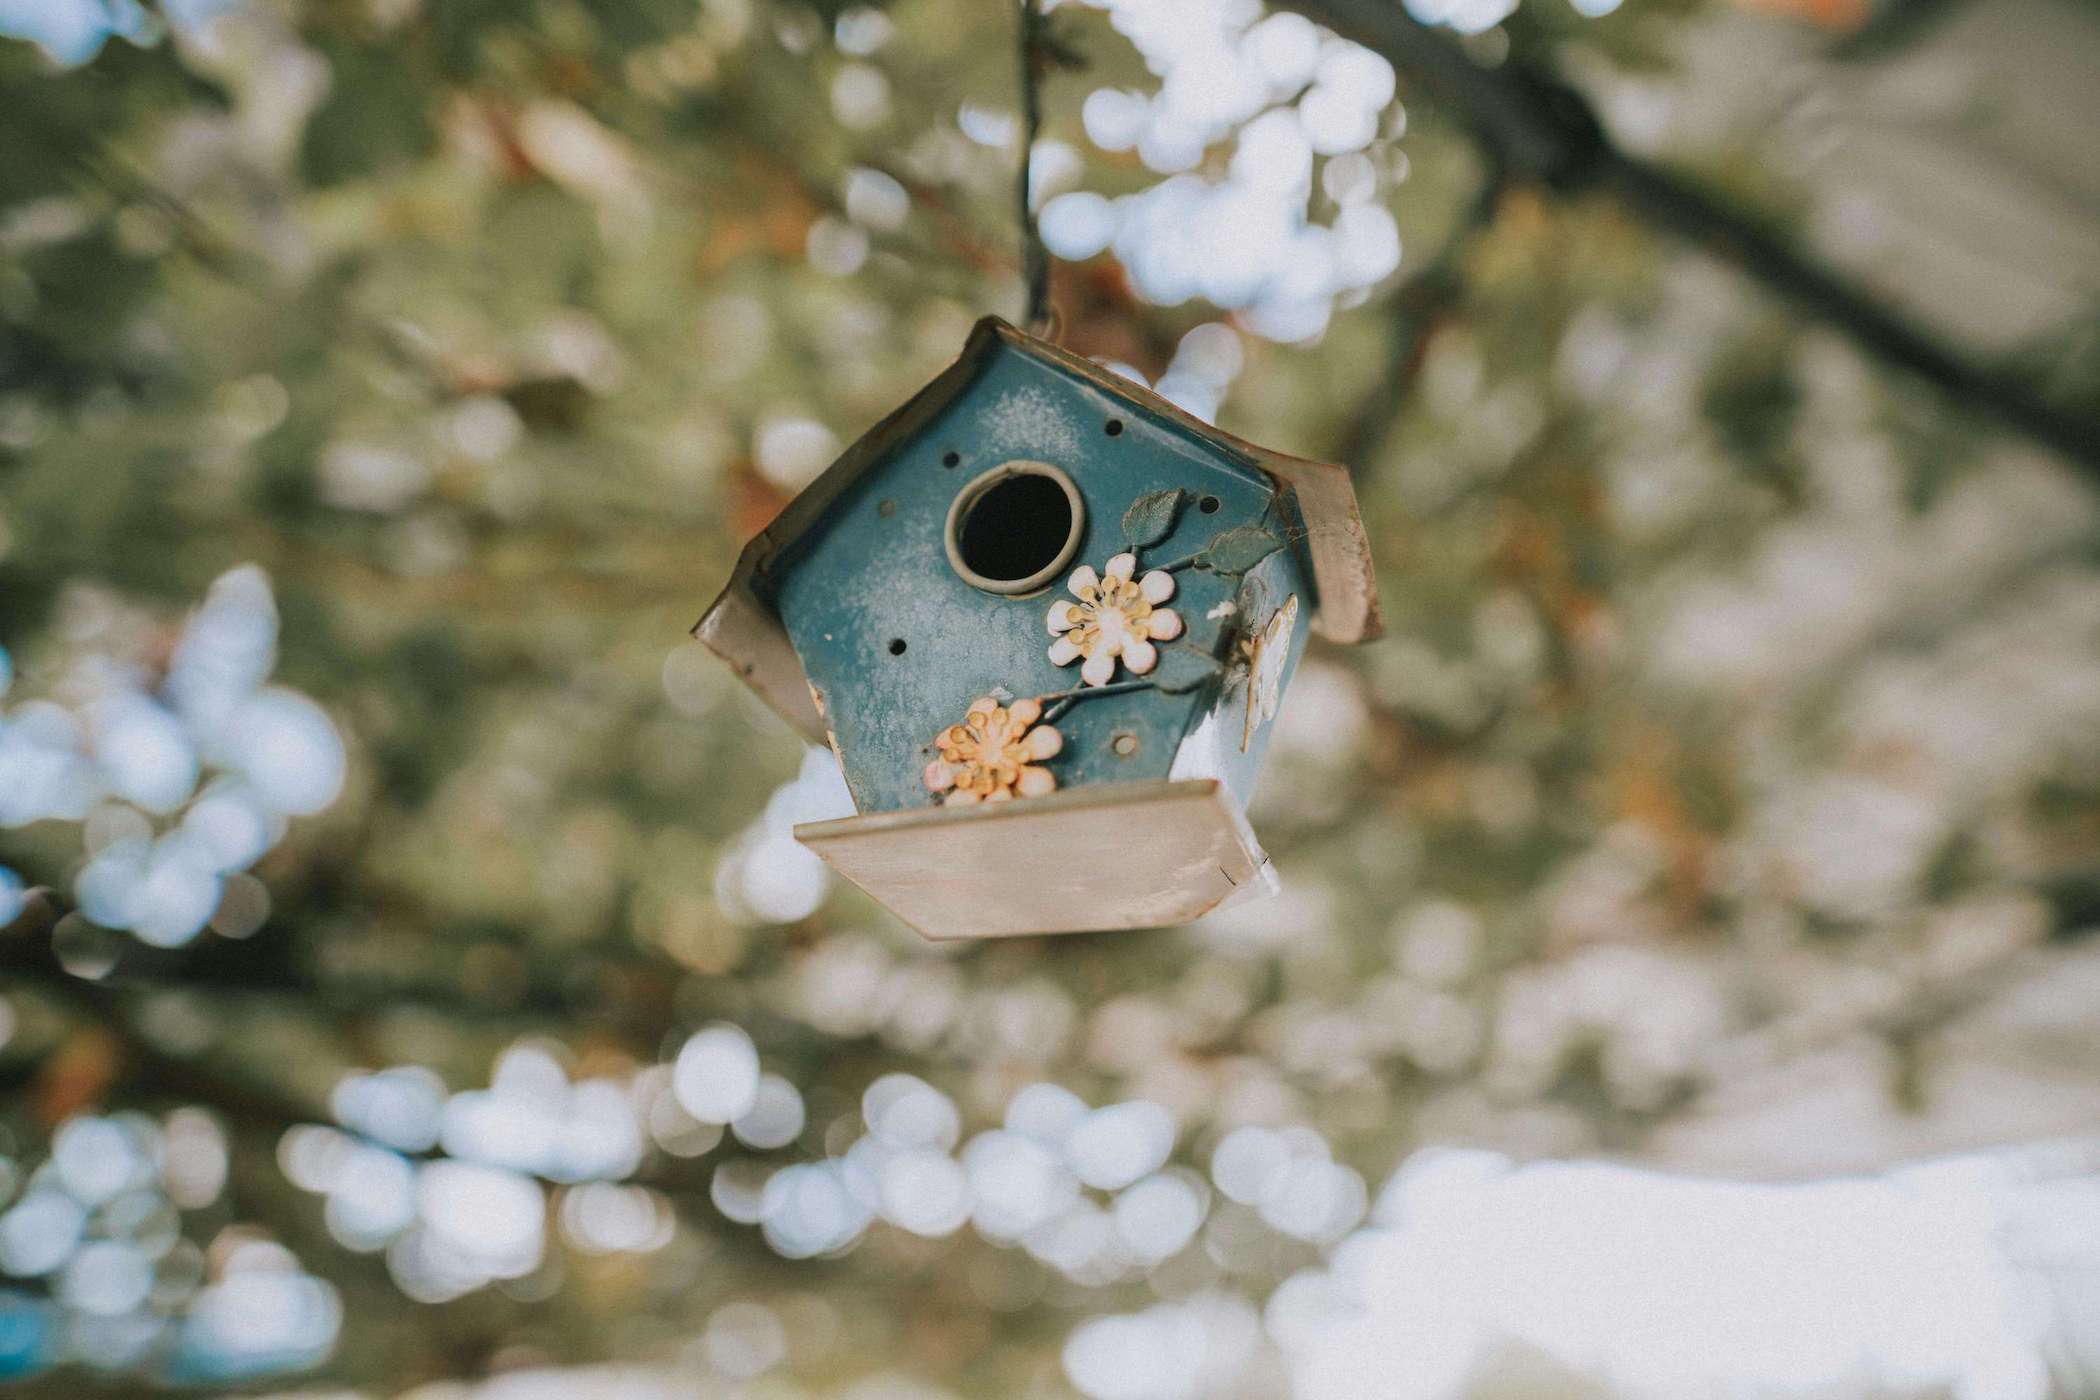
(992, 755)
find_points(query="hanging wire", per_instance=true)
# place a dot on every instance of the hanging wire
(1040, 319)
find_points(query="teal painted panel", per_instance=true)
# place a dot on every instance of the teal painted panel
(897, 645)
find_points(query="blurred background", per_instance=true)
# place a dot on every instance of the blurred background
(1683, 981)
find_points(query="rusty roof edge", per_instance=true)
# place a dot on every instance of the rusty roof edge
(1338, 544)
(742, 627)
(748, 636)
(809, 505)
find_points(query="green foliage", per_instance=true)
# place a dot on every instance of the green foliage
(1753, 399)
(378, 117)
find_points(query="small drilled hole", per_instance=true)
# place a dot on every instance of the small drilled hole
(951, 459)
(896, 646)
(886, 509)
(1114, 427)
(1208, 505)
(1124, 743)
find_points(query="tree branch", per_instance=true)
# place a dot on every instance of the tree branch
(1543, 131)
(1673, 203)
(243, 1100)
(614, 994)
(29, 957)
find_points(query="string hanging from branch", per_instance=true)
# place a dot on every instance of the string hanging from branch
(1035, 55)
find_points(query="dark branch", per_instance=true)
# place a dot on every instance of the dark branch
(630, 995)
(242, 1099)
(1544, 132)
(1673, 203)
(29, 957)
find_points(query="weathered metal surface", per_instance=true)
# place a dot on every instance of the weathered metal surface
(743, 627)
(1121, 856)
(855, 592)
(899, 645)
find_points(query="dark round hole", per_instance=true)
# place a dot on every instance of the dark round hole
(1208, 505)
(896, 646)
(951, 459)
(1015, 529)
(1114, 427)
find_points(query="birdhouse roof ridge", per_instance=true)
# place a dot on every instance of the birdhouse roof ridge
(743, 629)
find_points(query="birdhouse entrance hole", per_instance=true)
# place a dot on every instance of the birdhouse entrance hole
(1014, 528)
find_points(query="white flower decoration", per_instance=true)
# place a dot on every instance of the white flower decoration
(1267, 652)
(1116, 616)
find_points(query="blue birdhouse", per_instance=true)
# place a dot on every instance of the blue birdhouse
(1044, 619)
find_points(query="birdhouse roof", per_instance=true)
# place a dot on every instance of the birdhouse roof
(743, 629)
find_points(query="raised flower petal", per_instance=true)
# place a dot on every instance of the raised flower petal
(990, 757)
(1117, 616)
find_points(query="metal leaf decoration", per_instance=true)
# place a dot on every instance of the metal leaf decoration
(1151, 517)
(1239, 549)
(1182, 669)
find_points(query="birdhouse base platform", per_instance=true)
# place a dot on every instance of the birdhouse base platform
(1091, 859)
